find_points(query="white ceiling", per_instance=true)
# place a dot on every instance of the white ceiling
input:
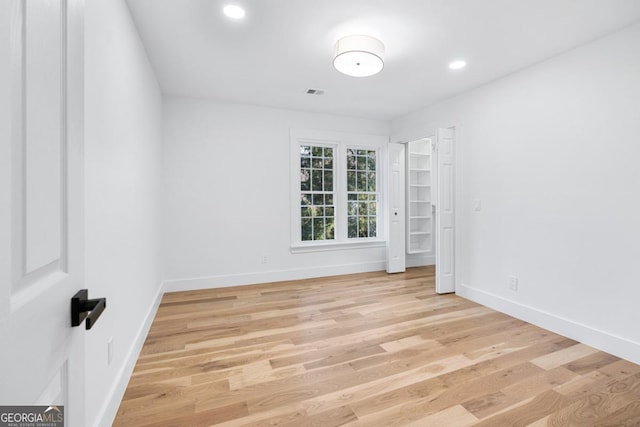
(283, 47)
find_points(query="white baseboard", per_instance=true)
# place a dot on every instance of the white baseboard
(227, 280)
(610, 343)
(114, 397)
(419, 260)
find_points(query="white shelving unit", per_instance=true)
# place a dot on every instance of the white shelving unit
(419, 213)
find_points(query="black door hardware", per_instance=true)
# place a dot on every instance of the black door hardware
(82, 307)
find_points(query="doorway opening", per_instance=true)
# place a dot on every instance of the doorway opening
(425, 234)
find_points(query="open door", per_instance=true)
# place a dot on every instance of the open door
(445, 225)
(396, 252)
(41, 199)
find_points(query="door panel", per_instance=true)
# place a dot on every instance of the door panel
(44, 363)
(445, 234)
(38, 142)
(396, 258)
(42, 138)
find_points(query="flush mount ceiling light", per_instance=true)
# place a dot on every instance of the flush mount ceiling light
(359, 56)
(233, 11)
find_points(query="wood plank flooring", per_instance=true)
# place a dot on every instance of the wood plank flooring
(366, 350)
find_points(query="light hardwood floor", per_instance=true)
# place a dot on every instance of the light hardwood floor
(366, 350)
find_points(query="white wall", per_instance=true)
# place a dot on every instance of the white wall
(226, 195)
(5, 156)
(123, 143)
(552, 152)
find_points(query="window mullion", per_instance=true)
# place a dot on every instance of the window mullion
(343, 192)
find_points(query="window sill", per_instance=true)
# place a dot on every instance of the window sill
(336, 246)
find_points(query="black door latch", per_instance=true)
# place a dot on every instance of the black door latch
(84, 308)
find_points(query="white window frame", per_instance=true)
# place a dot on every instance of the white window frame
(340, 141)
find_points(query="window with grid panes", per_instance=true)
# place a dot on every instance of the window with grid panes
(317, 209)
(335, 184)
(362, 198)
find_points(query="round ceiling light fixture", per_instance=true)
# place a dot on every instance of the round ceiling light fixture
(359, 56)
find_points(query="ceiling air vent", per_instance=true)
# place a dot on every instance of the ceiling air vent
(315, 92)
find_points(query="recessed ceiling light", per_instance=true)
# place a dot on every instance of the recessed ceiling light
(233, 11)
(456, 65)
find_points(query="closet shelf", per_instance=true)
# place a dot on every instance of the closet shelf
(419, 217)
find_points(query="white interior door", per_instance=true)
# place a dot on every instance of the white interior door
(445, 229)
(42, 357)
(396, 252)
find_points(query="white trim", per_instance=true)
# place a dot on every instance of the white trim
(241, 279)
(115, 394)
(596, 338)
(337, 245)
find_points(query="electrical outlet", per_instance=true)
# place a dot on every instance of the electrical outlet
(513, 283)
(109, 351)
